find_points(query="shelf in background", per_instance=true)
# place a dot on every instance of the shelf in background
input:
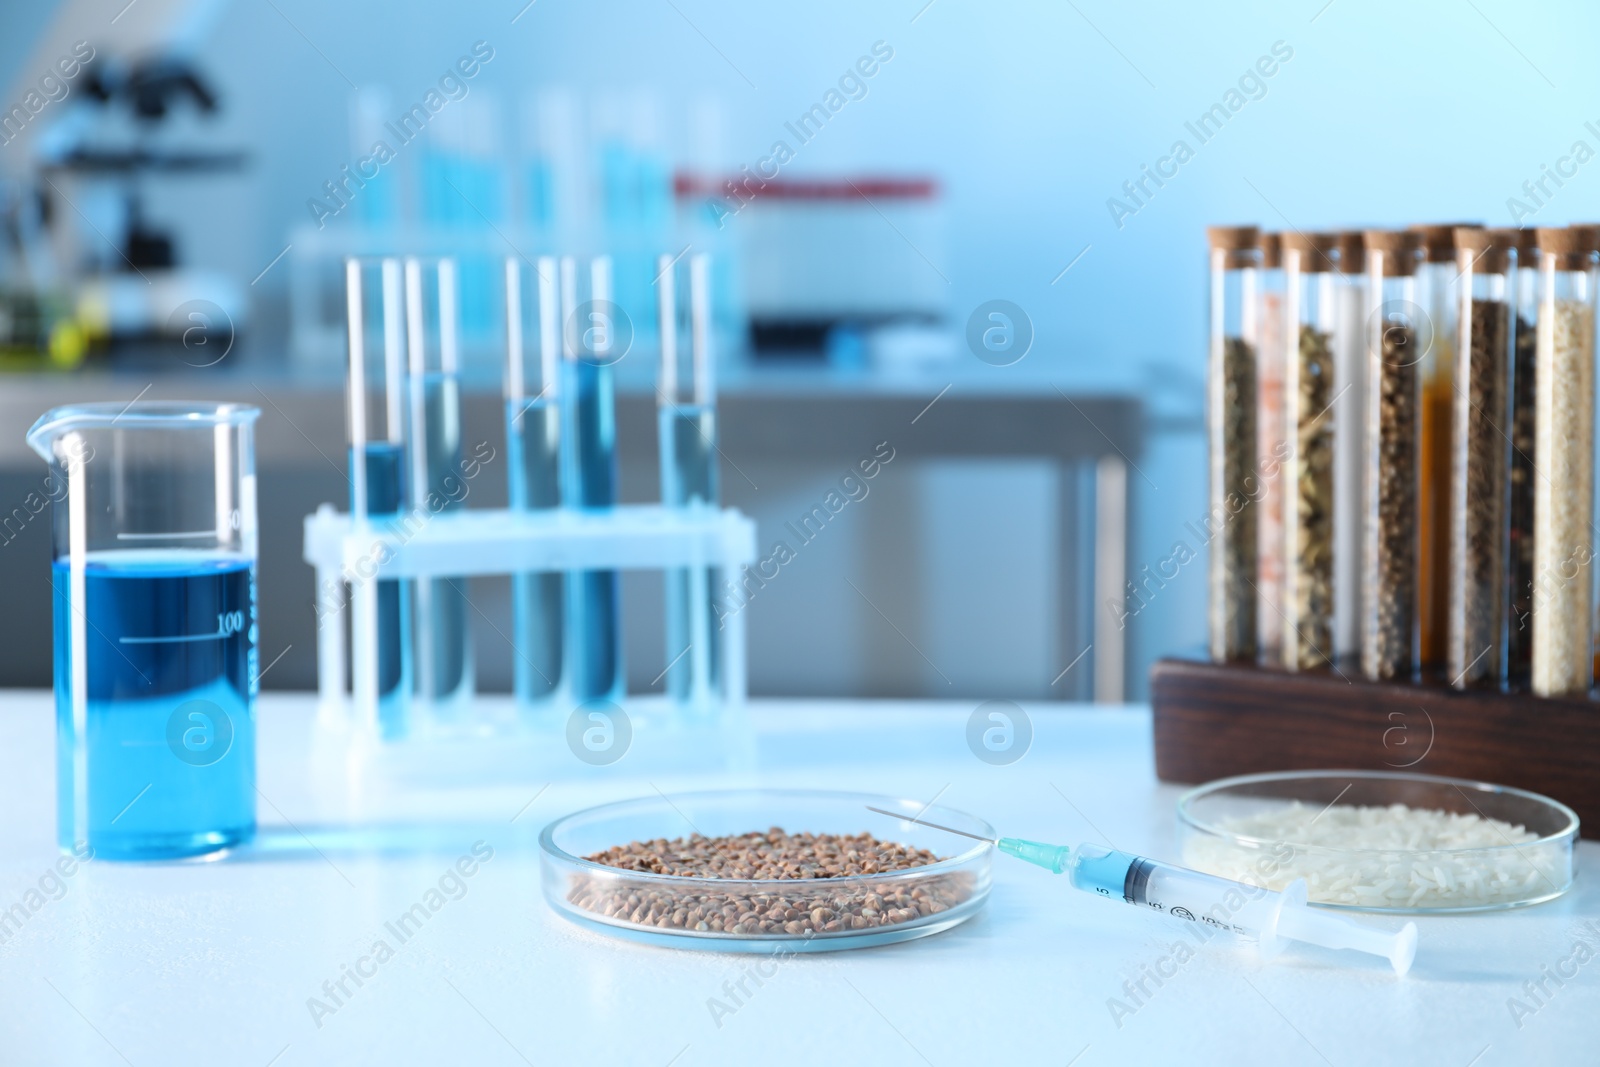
(1215, 720)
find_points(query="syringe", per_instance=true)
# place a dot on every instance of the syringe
(1270, 918)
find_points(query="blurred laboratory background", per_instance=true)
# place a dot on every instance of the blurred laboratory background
(964, 233)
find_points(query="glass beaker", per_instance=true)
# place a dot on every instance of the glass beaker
(154, 576)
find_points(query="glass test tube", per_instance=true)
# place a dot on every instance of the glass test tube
(1594, 230)
(381, 669)
(1231, 404)
(1271, 437)
(1389, 616)
(1486, 260)
(594, 634)
(1307, 476)
(1522, 474)
(433, 451)
(1437, 327)
(687, 428)
(1519, 565)
(1594, 235)
(1564, 459)
(1349, 441)
(533, 439)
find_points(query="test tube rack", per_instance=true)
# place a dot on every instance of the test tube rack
(356, 554)
(1217, 720)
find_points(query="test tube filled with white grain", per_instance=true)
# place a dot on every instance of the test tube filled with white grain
(1563, 496)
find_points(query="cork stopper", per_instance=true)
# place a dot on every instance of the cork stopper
(1591, 229)
(1316, 250)
(1524, 240)
(1397, 247)
(1233, 238)
(1271, 245)
(1572, 247)
(1439, 239)
(1239, 242)
(1352, 251)
(1483, 251)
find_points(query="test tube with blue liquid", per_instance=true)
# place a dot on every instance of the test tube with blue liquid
(380, 631)
(589, 482)
(687, 428)
(533, 439)
(442, 655)
(154, 549)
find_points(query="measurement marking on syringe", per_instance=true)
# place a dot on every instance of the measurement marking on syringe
(164, 536)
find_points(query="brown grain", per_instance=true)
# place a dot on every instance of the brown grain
(1233, 563)
(1389, 636)
(1478, 548)
(1311, 566)
(794, 885)
(1519, 579)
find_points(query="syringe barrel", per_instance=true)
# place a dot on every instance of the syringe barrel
(1269, 917)
(1219, 903)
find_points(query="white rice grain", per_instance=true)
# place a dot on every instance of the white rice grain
(1390, 856)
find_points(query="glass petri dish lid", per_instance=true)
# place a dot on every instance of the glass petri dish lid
(1382, 841)
(661, 909)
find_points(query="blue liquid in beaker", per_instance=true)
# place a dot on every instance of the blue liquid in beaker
(441, 603)
(594, 606)
(689, 479)
(533, 438)
(385, 498)
(168, 749)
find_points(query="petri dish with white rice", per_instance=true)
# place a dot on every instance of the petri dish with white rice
(1382, 841)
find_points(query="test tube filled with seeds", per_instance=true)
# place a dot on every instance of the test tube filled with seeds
(1437, 326)
(1309, 261)
(1563, 489)
(1272, 439)
(1349, 440)
(1388, 631)
(1231, 413)
(1594, 230)
(1486, 262)
(1521, 475)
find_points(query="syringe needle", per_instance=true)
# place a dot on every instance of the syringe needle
(919, 821)
(1052, 858)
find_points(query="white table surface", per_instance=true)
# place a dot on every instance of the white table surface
(214, 963)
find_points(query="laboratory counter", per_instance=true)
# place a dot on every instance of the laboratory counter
(270, 956)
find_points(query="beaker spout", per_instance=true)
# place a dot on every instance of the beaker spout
(51, 427)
